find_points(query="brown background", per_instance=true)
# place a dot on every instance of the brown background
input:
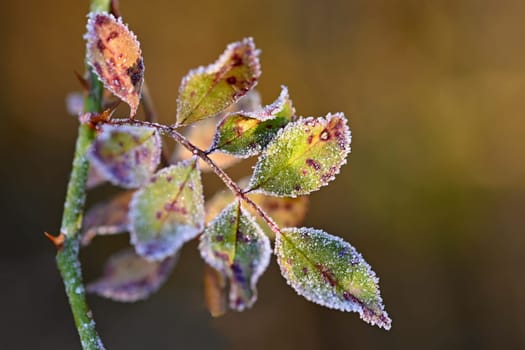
(433, 194)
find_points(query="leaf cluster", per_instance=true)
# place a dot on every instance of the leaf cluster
(164, 207)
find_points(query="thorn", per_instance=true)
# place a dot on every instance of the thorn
(111, 107)
(83, 82)
(93, 119)
(58, 241)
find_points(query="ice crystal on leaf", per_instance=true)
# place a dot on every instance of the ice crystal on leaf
(329, 271)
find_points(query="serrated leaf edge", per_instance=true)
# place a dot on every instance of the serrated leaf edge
(91, 35)
(359, 307)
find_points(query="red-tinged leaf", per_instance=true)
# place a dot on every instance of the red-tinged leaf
(113, 52)
(126, 155)
(206, 91)
(107, 218)
(128, 277)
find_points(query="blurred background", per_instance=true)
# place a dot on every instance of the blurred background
(433, 194)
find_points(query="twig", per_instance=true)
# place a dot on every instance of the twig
(172, 132)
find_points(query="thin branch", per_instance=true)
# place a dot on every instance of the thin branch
(232, 185)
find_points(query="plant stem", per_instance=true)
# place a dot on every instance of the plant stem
(171, 131)
(68, 253)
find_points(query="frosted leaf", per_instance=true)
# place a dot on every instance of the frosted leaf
(303, 157)
(107, 218)
(128, 277)
(206, 91)
(236, 246)
(113, 52)
(201, 133)
(168, 211)
(126, 155)
(246, 134)
(215, 291)
(329, 271)
(286, 212)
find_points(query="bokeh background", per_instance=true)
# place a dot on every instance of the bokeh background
(433, 194)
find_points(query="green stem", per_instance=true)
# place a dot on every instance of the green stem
(68, 254)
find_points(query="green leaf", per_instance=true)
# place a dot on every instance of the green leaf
(206, 91)
(107, 218)
(126, 155)
(304, 156)
(168, 211)
(329, 271)
(245, 133)
(113, 52)
(128, 277)
(236, 246)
